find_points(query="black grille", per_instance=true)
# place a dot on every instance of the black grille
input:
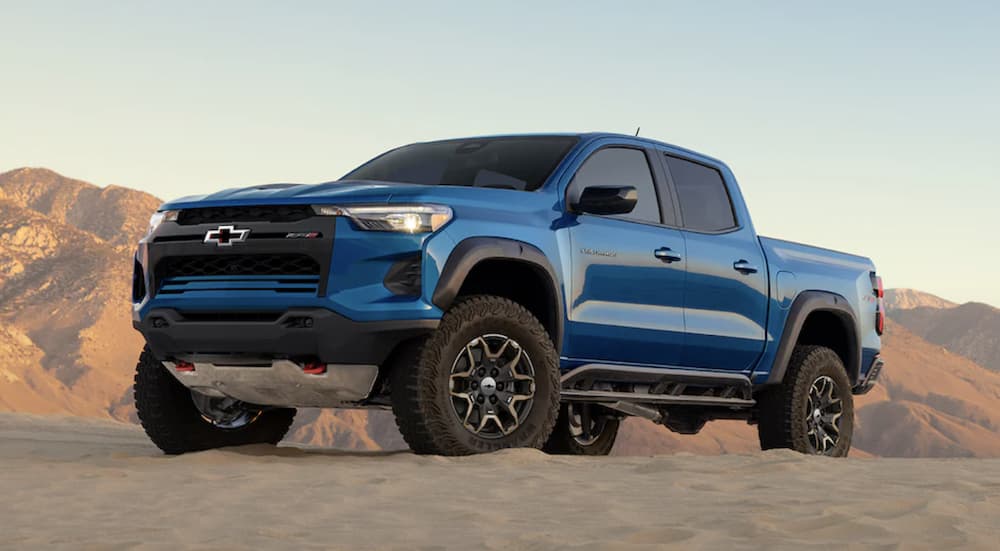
(236, 264)
(270, 213)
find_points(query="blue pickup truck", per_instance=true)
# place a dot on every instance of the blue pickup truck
(495, 292)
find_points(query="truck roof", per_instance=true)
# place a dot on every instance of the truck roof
(588, 136)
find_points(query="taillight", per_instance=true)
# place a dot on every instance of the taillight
(879, 291)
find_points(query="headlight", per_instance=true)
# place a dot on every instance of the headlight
(394, 218)
(160, 217)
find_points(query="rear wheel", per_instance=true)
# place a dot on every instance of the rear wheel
(812, 410)
(583, 429)
(486, 379)
(178, 420)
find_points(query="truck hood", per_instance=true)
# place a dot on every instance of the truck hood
(285, 194)
(354, 191)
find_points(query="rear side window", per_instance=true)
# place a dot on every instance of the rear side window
(619, 166)
(704, 200)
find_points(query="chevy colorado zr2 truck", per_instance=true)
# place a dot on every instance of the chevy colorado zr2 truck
(496, 292)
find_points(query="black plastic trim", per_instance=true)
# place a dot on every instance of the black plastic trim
(871, 377)
(474, 250)
(805, 304)
(603, 396)
(589, 373)
(327, 337)
(404, 276)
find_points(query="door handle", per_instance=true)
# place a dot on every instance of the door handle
(667, 255)
(744, 267)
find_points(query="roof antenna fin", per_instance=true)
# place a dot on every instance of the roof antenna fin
(637, 130)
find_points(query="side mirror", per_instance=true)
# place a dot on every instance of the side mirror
(607, 200)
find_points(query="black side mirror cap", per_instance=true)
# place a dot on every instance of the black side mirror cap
(607, 200)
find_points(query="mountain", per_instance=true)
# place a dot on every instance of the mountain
(64, 291)
(115, 215)
(906, 299)
(971, 329)
(67, 346)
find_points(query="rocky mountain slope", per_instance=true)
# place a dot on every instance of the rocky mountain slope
(906, 299)
(67, 346)
(971, 329)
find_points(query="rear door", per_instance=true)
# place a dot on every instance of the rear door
(627, 280)
(726, 293)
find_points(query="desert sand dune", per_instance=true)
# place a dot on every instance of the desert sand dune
(89, 483)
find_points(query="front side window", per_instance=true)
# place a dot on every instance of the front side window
(522, 162)
(619, 166)
(703, 197)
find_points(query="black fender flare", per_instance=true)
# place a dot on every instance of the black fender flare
(805, 304)
(473, 250)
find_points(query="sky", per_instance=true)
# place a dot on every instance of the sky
(861, 127)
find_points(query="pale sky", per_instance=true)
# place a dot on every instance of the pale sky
(867, 129)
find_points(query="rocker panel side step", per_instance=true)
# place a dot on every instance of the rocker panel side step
(665, 386)
(601, 396)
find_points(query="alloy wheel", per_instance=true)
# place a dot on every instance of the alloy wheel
(823, 412)
(492, 385)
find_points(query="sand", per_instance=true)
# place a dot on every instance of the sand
(85, 483)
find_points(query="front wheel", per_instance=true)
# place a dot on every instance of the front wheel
(812, 410)
(178, 420)
(486, 379)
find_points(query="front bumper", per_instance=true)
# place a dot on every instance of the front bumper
(307, 334)
(870, 378)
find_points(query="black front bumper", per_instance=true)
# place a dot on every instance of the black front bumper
(307, 333)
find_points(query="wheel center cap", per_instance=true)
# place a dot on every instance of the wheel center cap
(817, 414)
(488, 386)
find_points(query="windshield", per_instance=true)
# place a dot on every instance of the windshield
(521, 163)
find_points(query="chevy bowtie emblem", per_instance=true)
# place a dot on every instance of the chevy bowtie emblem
(225, 236)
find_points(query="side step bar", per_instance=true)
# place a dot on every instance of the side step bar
(600, 396)
(660, 386)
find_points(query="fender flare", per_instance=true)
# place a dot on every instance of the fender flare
(473, 250)
(805, 304)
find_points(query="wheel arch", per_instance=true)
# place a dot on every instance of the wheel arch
(819, 318)
(490, 264)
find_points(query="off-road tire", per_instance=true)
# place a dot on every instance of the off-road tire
(171, 420)
(782, 409)
(562, 442)
(420, 394)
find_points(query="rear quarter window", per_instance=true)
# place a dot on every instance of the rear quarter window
(702, 194)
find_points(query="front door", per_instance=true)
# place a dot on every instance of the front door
(627, 280)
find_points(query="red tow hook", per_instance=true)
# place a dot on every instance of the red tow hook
(314, 368)
(185, 367)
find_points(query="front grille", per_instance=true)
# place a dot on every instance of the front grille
(269, 213)
(237, 265)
